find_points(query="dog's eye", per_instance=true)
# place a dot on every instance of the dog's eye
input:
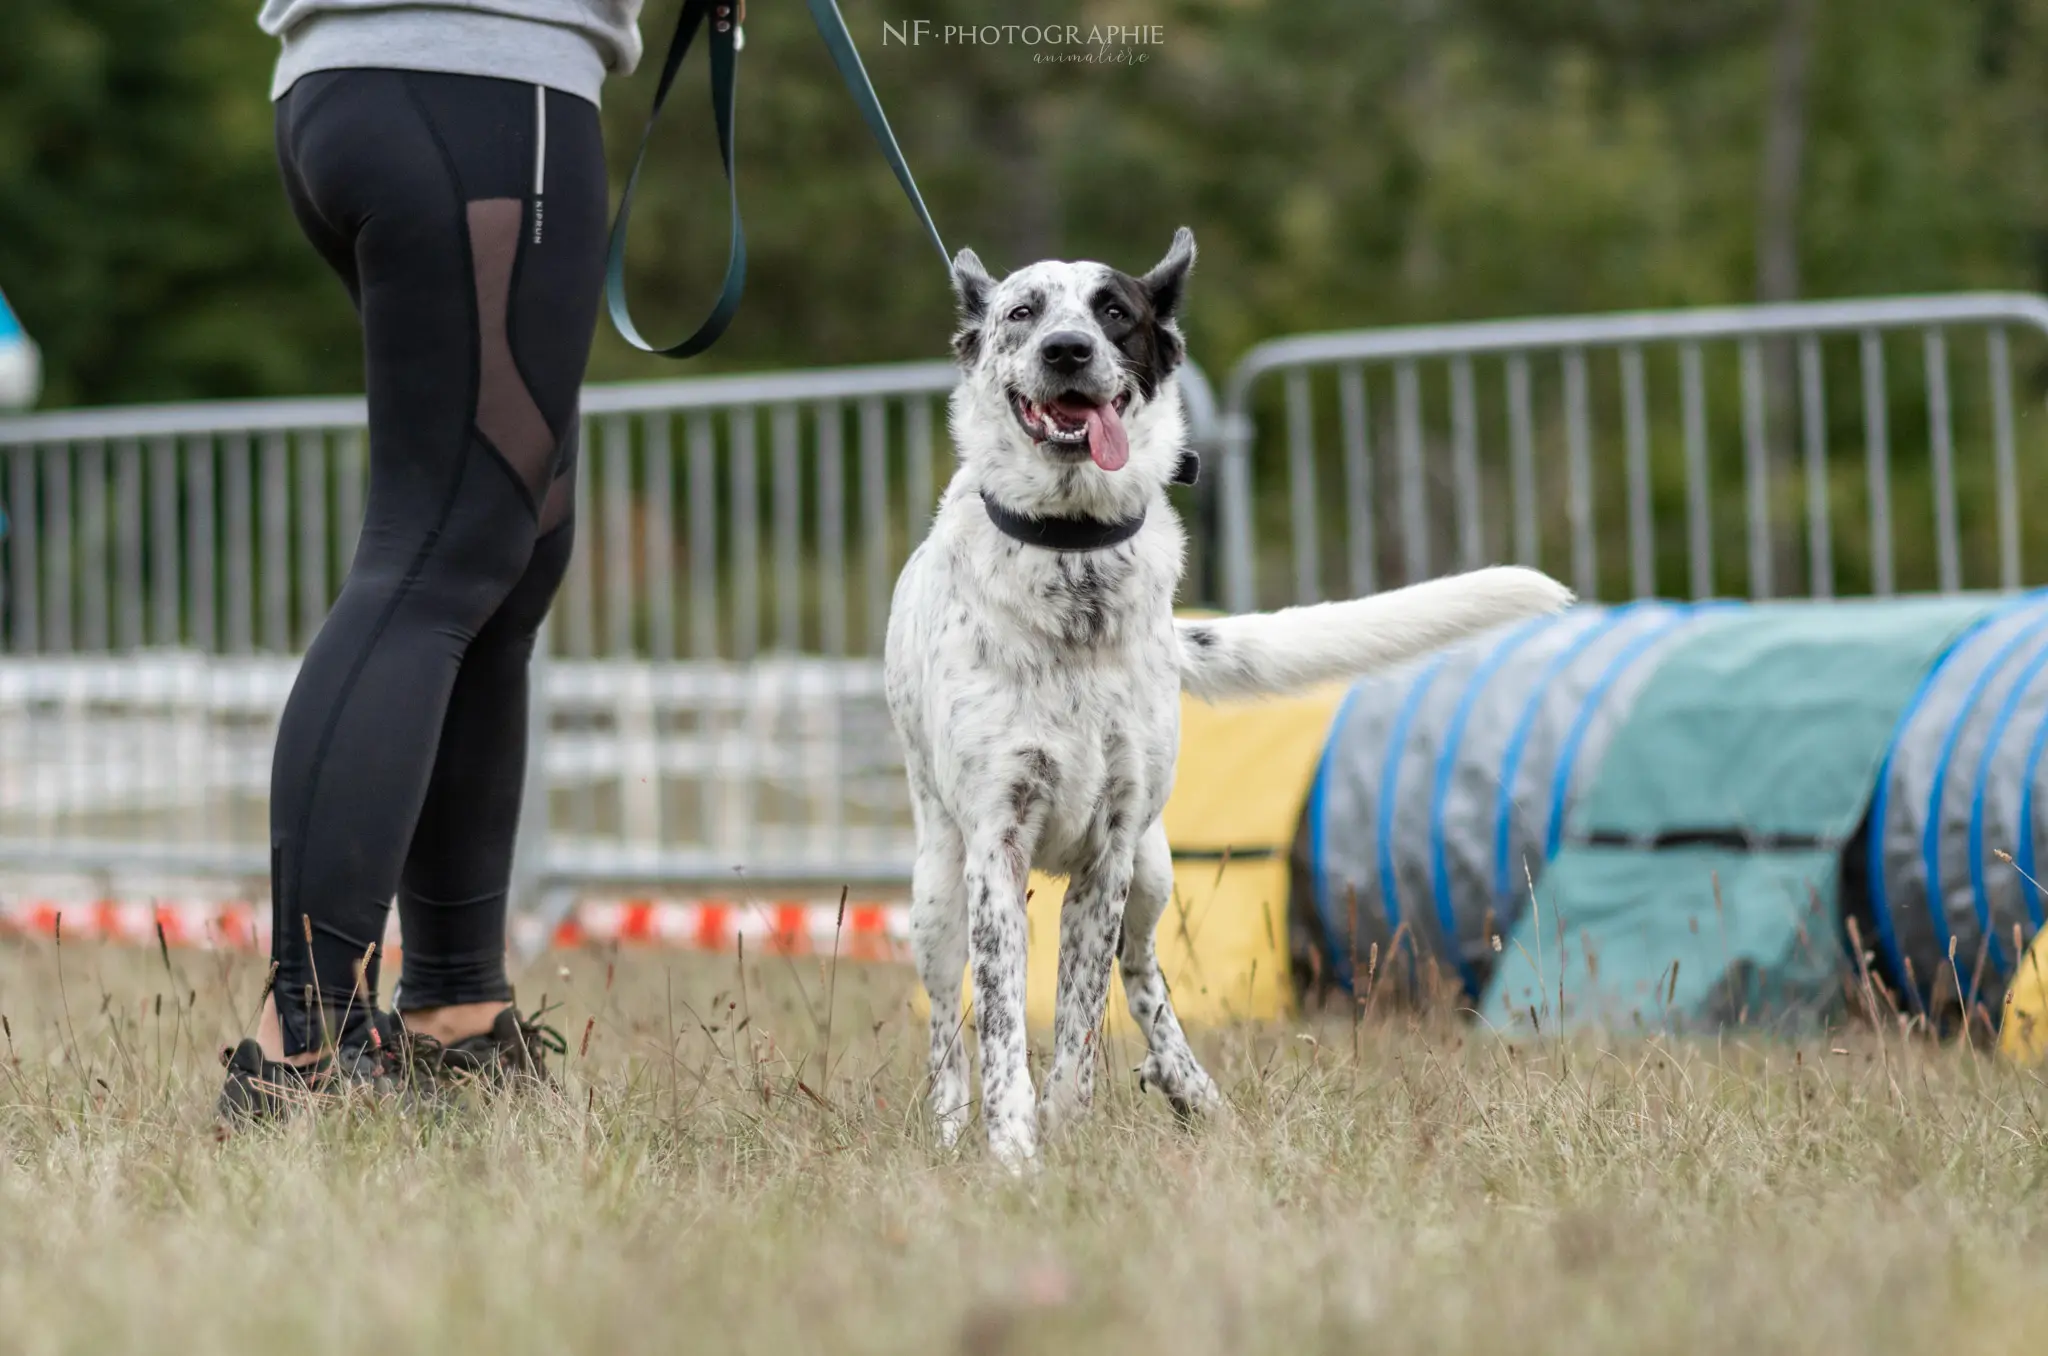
(1020, 313)
(1113, 312)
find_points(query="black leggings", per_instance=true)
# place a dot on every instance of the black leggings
(466, 216)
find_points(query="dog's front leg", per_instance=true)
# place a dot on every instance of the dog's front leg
(997, 866)
(938, 938)
(1089, 922)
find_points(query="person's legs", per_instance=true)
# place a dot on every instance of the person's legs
(452, 894)
(472, 212)
(454, 886)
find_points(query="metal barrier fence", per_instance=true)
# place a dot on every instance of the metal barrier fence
(1499, 434)
(712, 690)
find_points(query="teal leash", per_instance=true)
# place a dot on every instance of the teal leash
(724, 48)
(832, 28)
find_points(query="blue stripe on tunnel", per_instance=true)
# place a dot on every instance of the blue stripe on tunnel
(2028, 877)
(2007, 709)
(1439, 866)
(1880, 797)
(1511, 757)
(1930, 832)
(1390, 788)
(1318, 815)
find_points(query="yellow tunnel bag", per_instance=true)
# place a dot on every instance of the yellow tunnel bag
(2023, 1033)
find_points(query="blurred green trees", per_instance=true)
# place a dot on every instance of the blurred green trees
(1344, 163)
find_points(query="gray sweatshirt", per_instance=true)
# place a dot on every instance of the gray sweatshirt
(569, 45)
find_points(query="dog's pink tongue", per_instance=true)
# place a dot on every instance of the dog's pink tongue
(1108, 444)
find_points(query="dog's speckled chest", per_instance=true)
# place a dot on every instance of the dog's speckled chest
(1022, 673)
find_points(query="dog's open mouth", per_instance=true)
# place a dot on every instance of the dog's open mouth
(1070, 421)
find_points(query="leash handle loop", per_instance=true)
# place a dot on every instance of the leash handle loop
(725, 44)
(724, 85)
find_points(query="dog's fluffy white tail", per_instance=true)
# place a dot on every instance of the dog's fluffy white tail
(1271, 653)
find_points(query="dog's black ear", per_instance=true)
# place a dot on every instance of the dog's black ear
(1167, 282)
(972, 285)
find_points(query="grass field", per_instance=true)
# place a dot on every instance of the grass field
(711, 1179)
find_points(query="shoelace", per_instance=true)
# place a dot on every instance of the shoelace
(538, 1036)
(415, 1055)
(424, 1057)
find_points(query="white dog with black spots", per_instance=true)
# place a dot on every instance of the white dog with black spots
(1034, 672)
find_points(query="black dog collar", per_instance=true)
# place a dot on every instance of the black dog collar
(1062, 534)
(1080, 534)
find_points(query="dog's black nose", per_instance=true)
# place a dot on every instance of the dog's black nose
(1067, 352)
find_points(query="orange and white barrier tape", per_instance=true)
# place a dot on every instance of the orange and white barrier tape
(227, 924)
(867, 930)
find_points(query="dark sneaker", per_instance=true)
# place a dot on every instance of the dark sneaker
(260, 1089)
(513, 1052)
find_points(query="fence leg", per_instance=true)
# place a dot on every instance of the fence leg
(1240, 593)
(1209, 532)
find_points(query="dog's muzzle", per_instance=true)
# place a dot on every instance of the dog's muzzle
(1072, 422)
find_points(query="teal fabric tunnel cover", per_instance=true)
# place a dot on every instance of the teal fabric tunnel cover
(1698, 876)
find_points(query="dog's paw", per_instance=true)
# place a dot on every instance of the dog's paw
(1058, 1112)
(951, 1125)
(1015, 1152)
(1188, 1089)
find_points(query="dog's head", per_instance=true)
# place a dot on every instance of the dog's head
(1069, 402)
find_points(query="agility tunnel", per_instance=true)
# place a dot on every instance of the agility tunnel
(1678, 815)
